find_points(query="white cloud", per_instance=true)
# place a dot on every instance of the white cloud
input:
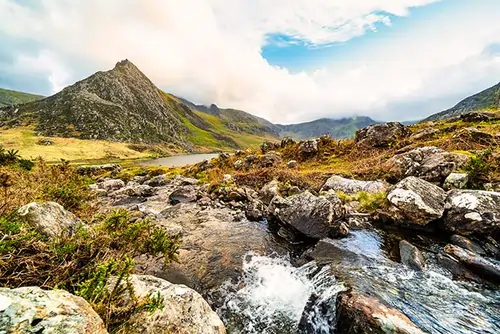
(210, 51)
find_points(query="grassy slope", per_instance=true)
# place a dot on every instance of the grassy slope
(25, 140)
(9, 97)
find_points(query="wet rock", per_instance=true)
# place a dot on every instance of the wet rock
(479, 117)
(33, 310)
(292, 164)
(357, 313)
(474, 135)
(474, 262)
(456, 181)
(184, 194)
(98, 169)
(308, 214)
(411, 256)
(157, 181)
(457, 269)
(429, 163)
(269, 191)
(381, 135)
(185, 310)
(472, 212)
(308, 147)
(49, 219)
(255, 210)
(467, 244)
(420, 202)
(270, 159)
(351, 187)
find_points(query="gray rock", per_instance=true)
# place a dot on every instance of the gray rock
(381, 135)
(227, 178)
(308, 214)
(112, 184)
(97, 169)
(456, 181)
(308, 147)
(270, 159)
(473, 135)
(185, 310)
(472, 212)
(157, 181)
(478, 116)
(49, 219)
(351, 187)
(185, 194)
(466, 243)
(33, 310)
(180, 180)
(475, 263)
(134, 190)
(238, 164)
(424, 134)
(292, 164)
(269, 191)
(268, 146)
(429, 163)
(411, 255)
(419, 201)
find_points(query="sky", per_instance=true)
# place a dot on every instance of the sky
(288, 61)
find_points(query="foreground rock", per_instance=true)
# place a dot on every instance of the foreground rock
(49, 219)
(456, 181)
(420, 202)
(185, 311)
(33, 310)
(351, 187)
(429, 163)
(472, 212)
(475, 263)
(411, 256)
(310, 215)
(381, 135)
(357, 313)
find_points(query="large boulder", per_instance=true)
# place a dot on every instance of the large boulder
(472, 212)
(33, 310)
(49, 219)
(411, 255)
(478, 116)
(381, 135)
(473, 135)
(310, 215)
(185, 311)
(269, 191)
(419, 201)
(351, 187)
(360, 314)
(308, 147)
(429, 163)
(184, 194)
(270, 159)
(475, 263)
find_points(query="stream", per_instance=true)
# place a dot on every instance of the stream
(273, 296)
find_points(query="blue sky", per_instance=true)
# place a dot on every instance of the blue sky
(285, 60)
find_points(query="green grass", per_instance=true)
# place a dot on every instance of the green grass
(10, 97)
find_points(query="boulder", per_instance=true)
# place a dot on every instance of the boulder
(351, 187)
(424, 134)
(308, 147)
(473, 135)
(429, 163)
(269, 191)
(157, 181)
(467, 244)
(270, 159)
(180, 180)
(49, 219)
(135, 190)
(420, 202)
(310, 215)
(478, 116)
(98, 169)
(360, 314)
(411, 255)
(238, 164)
(381, 135)
(268, 146)
(456, 181)
(475, 263)
(472, 212)
(185, 311)
(112, 184)
(184, 194)
(33, 310)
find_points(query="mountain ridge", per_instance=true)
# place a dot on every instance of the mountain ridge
(10, 97)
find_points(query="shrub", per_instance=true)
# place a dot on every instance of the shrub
(368, 202)
(479, 168)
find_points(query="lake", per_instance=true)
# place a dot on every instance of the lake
(179, 160)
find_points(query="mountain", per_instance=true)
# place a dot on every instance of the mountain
(124, 105)
(488, 98)
(337, 128)
(11, 97)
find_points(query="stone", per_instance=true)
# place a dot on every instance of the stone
(411, 256)
(255, 210)
(268, 146)
(351, 187)
(292, 164)
(472, 212)
(33, 310)
(157, 181)
(224, 156)
(475, 263)
(112, 184)
(478, 116)
(424, 134)
(456, 181)
(97, 169)
(185, 194)
(381, 135)
(467, 244)
(270, 159)
(135, 190)
(49, 219)
(310, 215)
(419, 201)
(269, 191)
(227, 178)
(238, 164)
(180, 180)
(185, 311)
(474, 135)
(308, 147)
(429, 163)
(360, 314)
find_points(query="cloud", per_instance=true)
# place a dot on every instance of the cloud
(211, 51)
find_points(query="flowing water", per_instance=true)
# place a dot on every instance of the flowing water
(273, 296)
(178, 160)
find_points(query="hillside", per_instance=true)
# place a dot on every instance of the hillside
(10, 97)
(488, 98)
(337, 128)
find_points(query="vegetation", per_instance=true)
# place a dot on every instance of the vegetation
(11, 97)
(369, 203)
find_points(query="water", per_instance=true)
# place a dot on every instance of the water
(178, 160)
(273, 296)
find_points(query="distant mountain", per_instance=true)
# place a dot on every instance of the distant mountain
(488, 98)
(12, 97)
(337, 128)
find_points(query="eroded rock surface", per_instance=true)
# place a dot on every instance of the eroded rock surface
(381, 135)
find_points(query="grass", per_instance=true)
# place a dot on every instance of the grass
(10, 97)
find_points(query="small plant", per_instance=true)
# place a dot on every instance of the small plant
(479, 168)
(368, 202)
